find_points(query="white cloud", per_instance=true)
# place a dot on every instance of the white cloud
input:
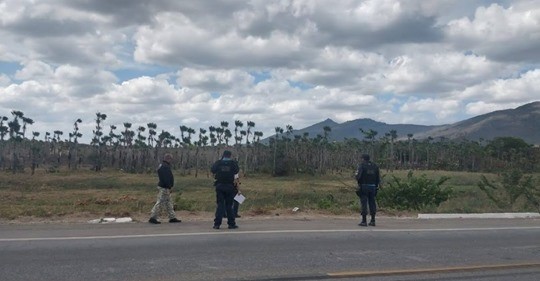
(4, 80)
(215, 80)
(506, 34)
(413, 110)
(437, 73)
(518, 90)
(34, 70)
(480, 107)
(272, 62)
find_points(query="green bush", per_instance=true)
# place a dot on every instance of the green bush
(414, 193)
(513, 186)
(183, 204)
(327, 202)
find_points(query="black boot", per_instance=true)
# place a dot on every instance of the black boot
(363, 222)
(372, 222)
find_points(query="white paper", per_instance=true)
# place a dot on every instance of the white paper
(239, 198)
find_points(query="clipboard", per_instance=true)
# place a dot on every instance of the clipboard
(239, 198)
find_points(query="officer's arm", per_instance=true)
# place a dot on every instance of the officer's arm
(214, 168)
(237, 183)
(378, 178)
(359, 174)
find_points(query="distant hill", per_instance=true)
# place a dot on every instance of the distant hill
(351, 129)
(522, 122)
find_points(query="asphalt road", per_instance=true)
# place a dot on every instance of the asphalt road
(275, 249)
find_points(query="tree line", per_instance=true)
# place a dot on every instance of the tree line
(138, 149)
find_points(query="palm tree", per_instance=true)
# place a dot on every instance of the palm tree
(240, 138)
(76, 135)
(213, 138)
(227, 135)
(97, 140)
(14, 126)
(257, 136)
(278, 130)
(151, 133)
(190, 132)
(3, 129)
(250, 125)
(183, 130)
(221, 131)
(34, 151)
(237, 124)
(57, 135)
(409, 138)
(327, 130)
(200, 142)
(370, 135)
(219, 135)
(98, 133)
(26, 121)
(393, 136)
(73, 147)
(141, 140)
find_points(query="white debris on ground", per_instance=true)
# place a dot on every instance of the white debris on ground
(109, 220)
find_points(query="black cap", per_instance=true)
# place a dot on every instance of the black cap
(365, 157)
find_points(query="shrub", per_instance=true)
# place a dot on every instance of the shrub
(327, 202)
(414, 193)
(183, 204)
(513, 185)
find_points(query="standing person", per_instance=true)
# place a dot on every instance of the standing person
(368, 178)
(224, 171)
(165, 185)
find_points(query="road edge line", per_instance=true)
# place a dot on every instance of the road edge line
(350, 274)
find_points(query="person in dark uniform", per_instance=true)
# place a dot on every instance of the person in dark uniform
(224, 171)
(368, 178)
(165, 185)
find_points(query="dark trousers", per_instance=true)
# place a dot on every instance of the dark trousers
(235, 207)
(224, 199)
(368, 192)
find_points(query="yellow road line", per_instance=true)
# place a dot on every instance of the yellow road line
(432, 270)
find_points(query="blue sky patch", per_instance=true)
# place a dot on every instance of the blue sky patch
(260, 76)
(300, 85)
(9, 68)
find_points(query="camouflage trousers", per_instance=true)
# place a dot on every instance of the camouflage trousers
(163, 201)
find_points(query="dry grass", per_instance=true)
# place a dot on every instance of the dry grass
(113, 193)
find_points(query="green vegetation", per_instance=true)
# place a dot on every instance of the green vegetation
(513, 190)
(85, 193)
(414, 193)
(138, 149)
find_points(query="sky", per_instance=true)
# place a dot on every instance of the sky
(275, 63)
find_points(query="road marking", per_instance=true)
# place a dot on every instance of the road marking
(236, 232)
(480, 216)
(431, 270)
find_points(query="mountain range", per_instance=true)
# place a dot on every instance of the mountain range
(521, 122)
